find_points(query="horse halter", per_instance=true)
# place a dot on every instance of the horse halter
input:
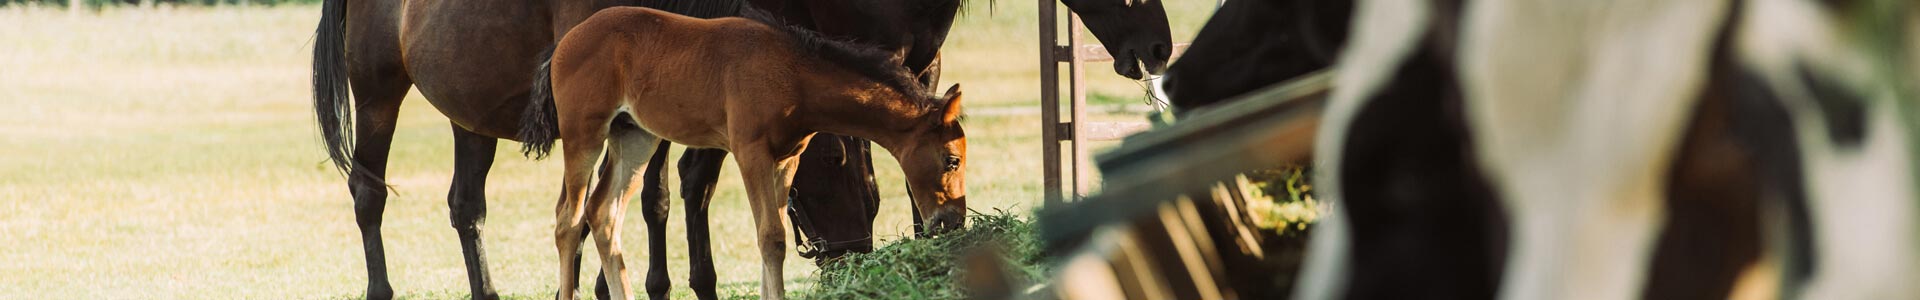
(808, 239)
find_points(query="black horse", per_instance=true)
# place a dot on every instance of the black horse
(1254, 43)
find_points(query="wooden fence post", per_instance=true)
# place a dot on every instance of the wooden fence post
(1076, 133)
(1049, 104)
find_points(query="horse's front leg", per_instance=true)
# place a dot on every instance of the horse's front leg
(699, 173)
(653, 210)
(768, 176)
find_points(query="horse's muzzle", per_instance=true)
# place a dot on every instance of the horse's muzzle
(944, 222)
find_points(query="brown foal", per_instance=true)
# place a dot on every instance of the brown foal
(627, 78)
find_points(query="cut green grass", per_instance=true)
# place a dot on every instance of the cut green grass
(930, 268)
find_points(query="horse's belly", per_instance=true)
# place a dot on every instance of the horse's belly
(682, 128)
(491, 108)
(474, 65)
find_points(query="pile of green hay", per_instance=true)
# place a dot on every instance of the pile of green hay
(1283, 200)
(930, 268)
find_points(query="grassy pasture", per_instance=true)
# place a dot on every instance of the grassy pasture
(171, 153)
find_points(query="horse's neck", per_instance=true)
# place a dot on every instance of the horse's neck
(867, 110)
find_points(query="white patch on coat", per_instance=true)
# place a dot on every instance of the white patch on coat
(1575, 108)
(1384, 33)
(1861, 198)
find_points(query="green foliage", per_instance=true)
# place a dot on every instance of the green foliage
(928, 268)
(1284, 199)
(1286, 184)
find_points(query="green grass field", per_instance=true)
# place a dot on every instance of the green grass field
(172, 153)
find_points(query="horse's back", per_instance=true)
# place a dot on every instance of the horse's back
(472, 59)
(658, 25)
(664, 51)
(635, 39)
(674, 74)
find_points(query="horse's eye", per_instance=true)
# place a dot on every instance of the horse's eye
(953, 162)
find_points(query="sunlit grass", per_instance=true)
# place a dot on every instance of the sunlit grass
(171, 153)
(931, 268)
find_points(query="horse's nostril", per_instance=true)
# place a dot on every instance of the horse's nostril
(1162, 51)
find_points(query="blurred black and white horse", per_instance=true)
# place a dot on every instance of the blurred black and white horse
(1768, 142)
(1581, 149)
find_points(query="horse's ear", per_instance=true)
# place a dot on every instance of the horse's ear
(952, 112)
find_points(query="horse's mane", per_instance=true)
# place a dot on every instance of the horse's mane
(867, 60)
(704, 9)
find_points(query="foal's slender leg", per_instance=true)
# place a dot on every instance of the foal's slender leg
(768, 178)
(699, 173)
(467, 203)
(628, 152)
(653, 210)
(379, 95)
(599, 280)
(580, 151)
(608, 166)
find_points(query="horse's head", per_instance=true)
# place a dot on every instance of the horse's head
(833, 211)
(1134, 31)
(1252, 43)
(934, 159)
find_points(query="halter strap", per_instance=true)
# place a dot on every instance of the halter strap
(807, 238)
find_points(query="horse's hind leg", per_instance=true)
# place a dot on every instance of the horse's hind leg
(629, 151)
(653, 210)
(378, 96)
(600, 280)
(699, 173)
(467, 202)
(581, 151)
(653, 201)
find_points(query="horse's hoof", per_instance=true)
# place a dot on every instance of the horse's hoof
(379, 292)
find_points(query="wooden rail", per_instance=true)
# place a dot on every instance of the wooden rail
(1260, 129)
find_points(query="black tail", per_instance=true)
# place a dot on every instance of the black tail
(330, 102)
(540, 125)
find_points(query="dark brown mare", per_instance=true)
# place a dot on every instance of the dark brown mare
(628, 78)
(471, 59)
